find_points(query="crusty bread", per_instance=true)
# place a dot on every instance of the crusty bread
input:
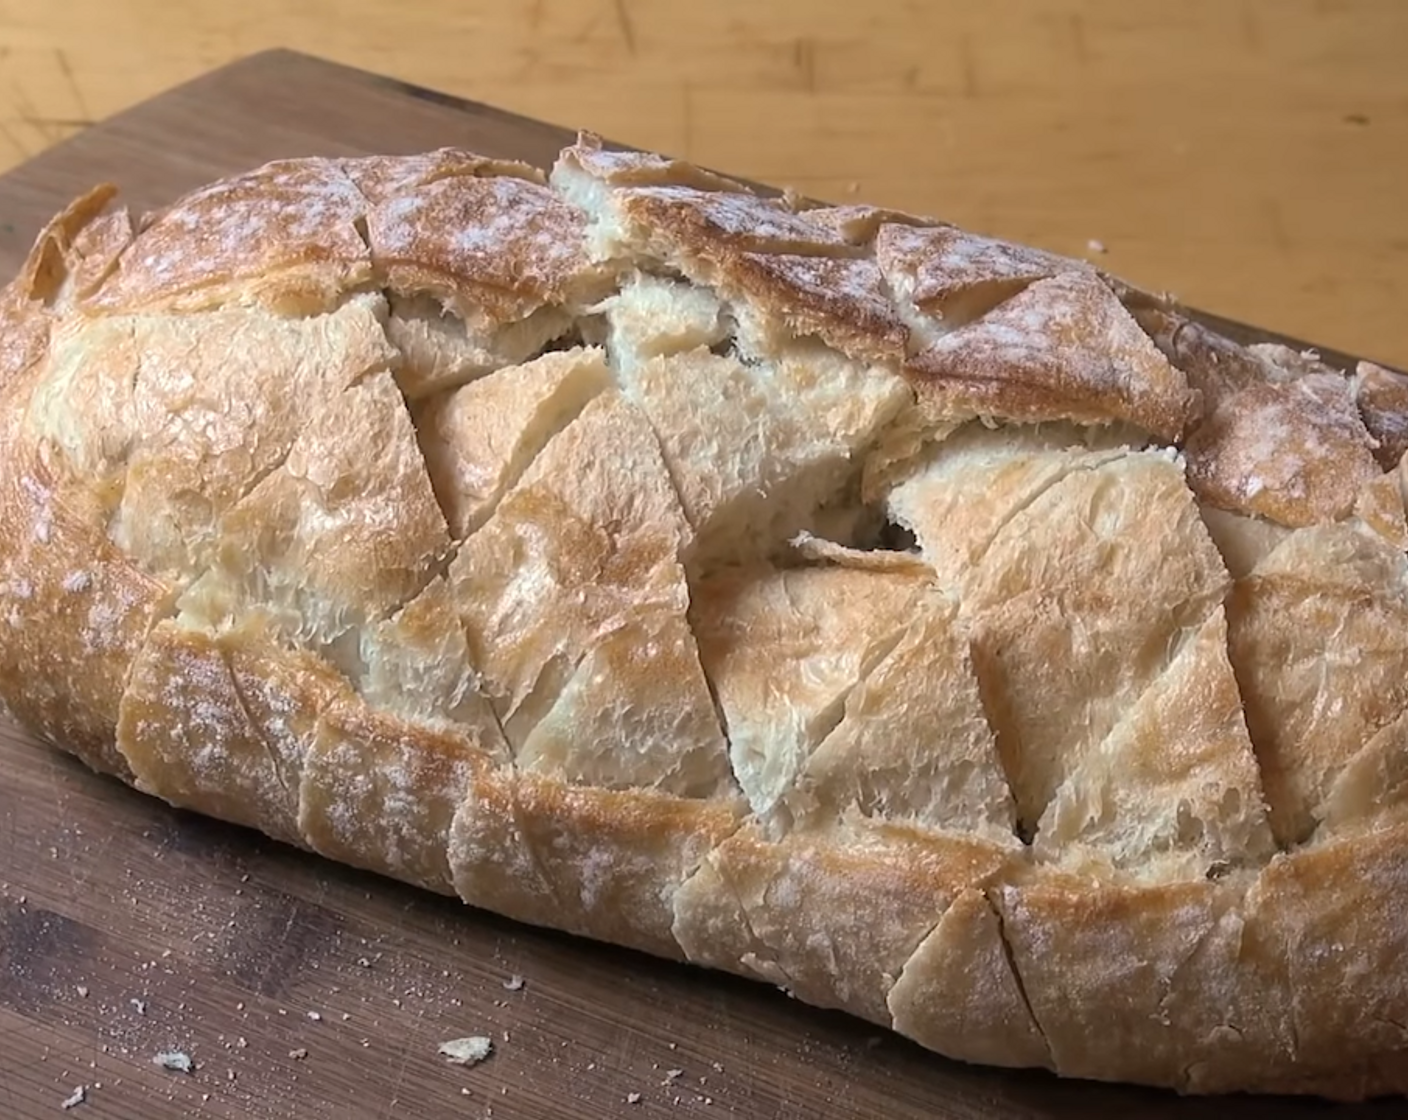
(942, 630)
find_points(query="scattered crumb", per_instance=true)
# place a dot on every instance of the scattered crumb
(672, 1046)
(345, 1016)
(315, 1016)
(514, 983)
(1095, 246)
(82, 992)
(205, 1096)
(467, 1051)
(140, 1005)
(464, 1090)
(717, 1067)
(176, 1060)
(239, 1006)
(229, 1075)
(298, 1055)
(591, 1066)
(673, 1074)
(363, 962)
(76, 1098)
(633, 1098)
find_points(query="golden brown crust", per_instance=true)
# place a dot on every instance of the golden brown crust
(381, 178)
(71, 254)
(799, 273)
(473, 464)
(1061, 348)
(838, 299)
(1062, 649)
(1162, 962)
(379, 793)
(601, 863)
(284, 235)
(1325, 930)
(1279, 436)
(732, 578)
(624, 167)
(955, 276)
(785, 912)
(959, 994)
(223, 725)
(76, 611)
(1319, 633)
(66, 242)
(1382, 396)
(494, 246)
(1295, 453)
(860, 224)
(1186, 737)
(119, 403)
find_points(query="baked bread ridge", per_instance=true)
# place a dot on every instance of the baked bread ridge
(589, 599)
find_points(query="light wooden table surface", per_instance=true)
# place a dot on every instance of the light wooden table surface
(1250, 157)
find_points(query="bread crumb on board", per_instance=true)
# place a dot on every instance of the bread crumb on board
(467, 1051)
(633, 1098)
(76, 1098)
(177, 1061)
(299, 1054)
(514, 983)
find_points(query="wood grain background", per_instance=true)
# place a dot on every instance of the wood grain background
(1250, 156)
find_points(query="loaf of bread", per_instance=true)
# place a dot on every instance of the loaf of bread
(936, 628)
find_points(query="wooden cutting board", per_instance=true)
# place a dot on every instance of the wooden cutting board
(302, 989)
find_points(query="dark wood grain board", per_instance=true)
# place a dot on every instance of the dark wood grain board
(127, 928)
